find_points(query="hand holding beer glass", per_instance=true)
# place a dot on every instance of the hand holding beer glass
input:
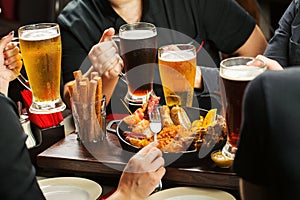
(177, 68)
(235, 74)
(40, 45)
(138, 46)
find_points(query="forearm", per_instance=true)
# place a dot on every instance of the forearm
(4, 86)
(109, 85)
(198, 79)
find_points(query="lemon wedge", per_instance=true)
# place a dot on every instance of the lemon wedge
(210, 118)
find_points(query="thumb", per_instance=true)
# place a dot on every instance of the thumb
(107, 34)
(5, 40)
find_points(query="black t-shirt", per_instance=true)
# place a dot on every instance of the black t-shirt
(268, 150)
(17, 172)
(222, 25)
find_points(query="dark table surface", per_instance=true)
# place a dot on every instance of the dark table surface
(107, 159)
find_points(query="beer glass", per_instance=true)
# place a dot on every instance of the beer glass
(138, 47)
(177, 68)
(40, 45)
(235, 74)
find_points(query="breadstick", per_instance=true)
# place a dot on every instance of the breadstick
(94, 74)
(84, 116)
(93, 119)
(78, 76)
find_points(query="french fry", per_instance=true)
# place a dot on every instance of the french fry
(98, 99)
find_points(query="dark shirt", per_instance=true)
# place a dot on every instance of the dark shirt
(221, 24)
(268, 150)
(18, 174)
(284, 46)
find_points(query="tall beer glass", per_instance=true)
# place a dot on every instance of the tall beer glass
(235, 74)
(177, 68)
(138, 45)
(40, 45)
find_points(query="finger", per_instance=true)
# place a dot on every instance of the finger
(157, 164)
(12, 59)
(112, 64)
(10, 46)
(10, 52)
(149, 147)
(153, 154)
(160, 173)
(107, 34)
(102, 47)
(16, 67)
(5, 40)
(116, 70)
(107, 55)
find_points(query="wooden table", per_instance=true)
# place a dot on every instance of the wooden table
(107, 159)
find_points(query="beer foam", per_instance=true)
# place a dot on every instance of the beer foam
(241, 72)
(137, 34)
(35, 35)
(176, 56)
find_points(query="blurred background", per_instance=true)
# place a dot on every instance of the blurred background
(19, 12)
(15, 13)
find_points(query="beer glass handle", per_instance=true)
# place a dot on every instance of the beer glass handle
(21, 78)
(116, 38)
(24, 81)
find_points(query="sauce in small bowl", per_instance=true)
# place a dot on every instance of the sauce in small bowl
(220, 160)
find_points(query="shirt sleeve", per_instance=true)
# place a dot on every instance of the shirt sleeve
(18, 174)
(278, 46)
(227, 24)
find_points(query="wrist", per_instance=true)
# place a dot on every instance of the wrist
(121, 194)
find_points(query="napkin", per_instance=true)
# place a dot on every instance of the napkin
(40, 120)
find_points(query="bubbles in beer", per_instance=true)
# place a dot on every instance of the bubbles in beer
(241, 72)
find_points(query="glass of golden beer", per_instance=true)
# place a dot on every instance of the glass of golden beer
(138, 47)
(177, 68)
(235, 74)
(40, 45)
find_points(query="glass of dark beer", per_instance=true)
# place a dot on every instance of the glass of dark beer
(235, 74)
(138, 46)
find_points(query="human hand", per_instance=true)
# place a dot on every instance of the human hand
(104, 56)
(271, 64)
(142, 174)
(10, 59)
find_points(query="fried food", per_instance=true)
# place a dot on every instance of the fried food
(178, 133)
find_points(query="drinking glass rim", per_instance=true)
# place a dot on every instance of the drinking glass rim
(43, 25)
(264, 66)
(137, 26)
(175, 50)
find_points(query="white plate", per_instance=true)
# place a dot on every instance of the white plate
(64, 188)
(191, 193)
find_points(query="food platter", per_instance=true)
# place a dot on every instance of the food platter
(178, 159)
